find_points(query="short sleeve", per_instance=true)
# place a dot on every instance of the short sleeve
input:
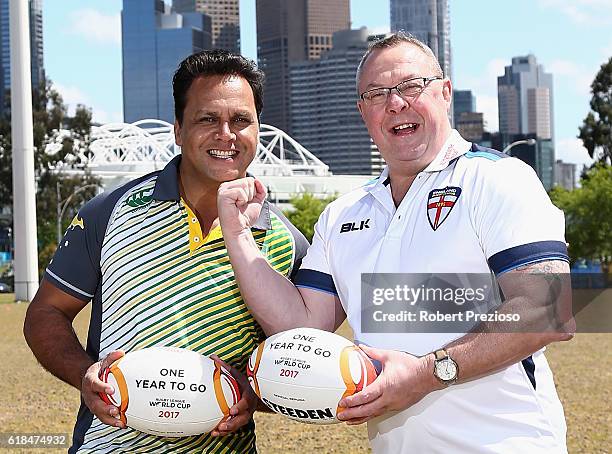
(300, 243)
(75, 267)
(515, 219)
(315, 270)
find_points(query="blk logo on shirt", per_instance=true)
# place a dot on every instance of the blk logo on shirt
(354, 226)
(440, 203)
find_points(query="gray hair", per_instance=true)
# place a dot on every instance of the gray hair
(393, 40)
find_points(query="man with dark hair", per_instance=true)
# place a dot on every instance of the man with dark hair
(151, 257)
(216, 62)
(442, 205)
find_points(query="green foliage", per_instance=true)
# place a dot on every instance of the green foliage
(51, 125)
(596, 131)
(588, 215)
(307, 209)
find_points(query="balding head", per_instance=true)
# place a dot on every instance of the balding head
(397, 39)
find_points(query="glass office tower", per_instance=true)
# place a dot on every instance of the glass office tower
(154, 41)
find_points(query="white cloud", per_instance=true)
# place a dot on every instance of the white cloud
(590, 13)
(72, 96)
(96, 26)
(578, 76)
(488, 106)
(378, 30)
(484, 88)
(570, 149)
(101, 116)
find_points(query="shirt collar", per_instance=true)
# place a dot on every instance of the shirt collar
(167, 189)
(454, 147)
(166, 186)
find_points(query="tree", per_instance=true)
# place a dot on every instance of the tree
(596, 131)
(61, 143)
(588, 216)
(306, 212)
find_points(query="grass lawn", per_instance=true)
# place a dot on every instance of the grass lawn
(7, 298)
(31, 400)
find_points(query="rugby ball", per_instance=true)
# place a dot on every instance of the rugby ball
(170, 392)
(303, 373)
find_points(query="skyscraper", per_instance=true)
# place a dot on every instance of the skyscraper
(565, 175)
(428, 21)
(463, 101)
(290, 31)
(525, 98)
(540, 156)
(225, 18)
(154, 41)
(468, 122)
(36, 48)
(324, 115)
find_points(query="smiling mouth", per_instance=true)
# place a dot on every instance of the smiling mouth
(405, 128)
(222, 154)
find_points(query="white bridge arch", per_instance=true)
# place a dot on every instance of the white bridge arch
(122, 151)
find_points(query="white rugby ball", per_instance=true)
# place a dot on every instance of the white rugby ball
(303, 373)
(170, 392)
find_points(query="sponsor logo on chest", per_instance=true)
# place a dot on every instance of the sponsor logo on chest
(355, 226)
(440, 203)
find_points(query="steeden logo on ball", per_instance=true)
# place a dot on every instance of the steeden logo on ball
(303, 373)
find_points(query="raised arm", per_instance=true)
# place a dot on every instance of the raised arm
(274, 301)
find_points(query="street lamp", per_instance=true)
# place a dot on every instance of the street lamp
(519, 142)
(62, 208)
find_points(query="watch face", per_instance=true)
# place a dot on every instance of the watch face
(446, 370)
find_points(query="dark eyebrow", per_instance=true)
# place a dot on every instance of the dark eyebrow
(243, 113)
(206, 112)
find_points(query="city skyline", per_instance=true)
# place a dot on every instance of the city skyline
(525, 98)
(155, 40)
(225, 19)
(290, 31)
(570, 41)
(323, 114)
(428, 21)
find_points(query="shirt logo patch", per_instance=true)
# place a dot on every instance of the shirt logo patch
(440, 203)
(77, 222)
(353, 226)
(140, 198)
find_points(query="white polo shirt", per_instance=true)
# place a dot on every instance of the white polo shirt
(472, 210)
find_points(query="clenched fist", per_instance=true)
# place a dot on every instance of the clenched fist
(239, 203)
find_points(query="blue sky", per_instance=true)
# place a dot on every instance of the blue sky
(571, 38)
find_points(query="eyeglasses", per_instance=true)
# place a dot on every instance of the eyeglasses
(406, 89)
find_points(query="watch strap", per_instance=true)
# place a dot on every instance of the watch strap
(440, 354)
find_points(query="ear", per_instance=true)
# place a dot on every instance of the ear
(177, 134)
(360, 108)
(447, 91)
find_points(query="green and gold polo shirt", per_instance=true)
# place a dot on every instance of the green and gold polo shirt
(139, 255)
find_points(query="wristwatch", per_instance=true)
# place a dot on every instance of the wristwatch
(445, 368)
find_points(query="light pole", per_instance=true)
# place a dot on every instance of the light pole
(62, 208)
(518, 142)
(25, 259)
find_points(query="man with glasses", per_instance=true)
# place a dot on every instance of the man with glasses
(442, 205)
